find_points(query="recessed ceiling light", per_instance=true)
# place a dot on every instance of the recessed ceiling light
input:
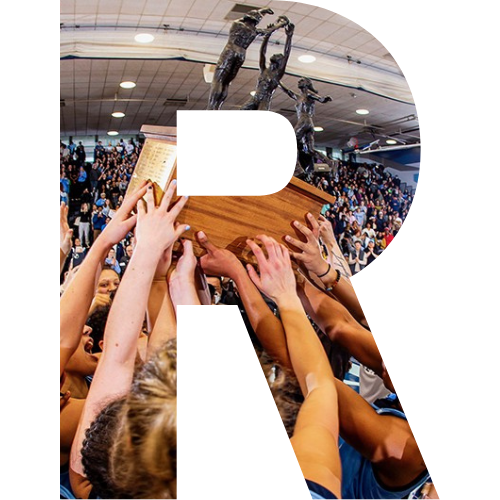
(391, 141)
(253, 93)
(127, 85)
(307, 58)
(118, 114)
(113, 132)
(362, 111)
(144, 38)
(318, 129)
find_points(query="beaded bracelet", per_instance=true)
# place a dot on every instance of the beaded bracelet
(335, 283)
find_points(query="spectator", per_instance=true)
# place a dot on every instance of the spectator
(84, 225)
(371, 252)
(357, 258)
(101, 202)
(129, 250)
(98, 221)
(112, 262)
(77, 253)
(388, 237)
(80, 155)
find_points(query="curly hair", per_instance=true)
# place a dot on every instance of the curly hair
(99, 438)
(143, 457)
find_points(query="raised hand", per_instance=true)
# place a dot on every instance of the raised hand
(186, 265)
(326, 231)
(217, 261)
(276, 277)
(123, 222)
(156, 225)
(310, 255)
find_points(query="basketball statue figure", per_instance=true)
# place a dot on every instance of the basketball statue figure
(242, 33)
(304, 129)
(270, 77)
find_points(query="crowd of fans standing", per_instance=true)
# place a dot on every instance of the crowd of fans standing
(369, 210)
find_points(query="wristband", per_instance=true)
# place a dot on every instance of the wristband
(327, 271)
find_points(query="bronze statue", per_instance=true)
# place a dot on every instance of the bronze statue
(304, 129)
(242, 33)
(270, 77)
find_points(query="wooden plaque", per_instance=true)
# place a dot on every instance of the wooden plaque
(227, 220)
(157, 160)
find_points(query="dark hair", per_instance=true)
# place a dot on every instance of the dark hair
(97, 321)
(98, 440)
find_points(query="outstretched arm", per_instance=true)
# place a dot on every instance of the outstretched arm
(267, 327)
(315, 439)
(310, 256)
(77, 298)
(288, 48)
(182, 282)
(263, 50)
(317, 97)
(155, 233)
(288, 92)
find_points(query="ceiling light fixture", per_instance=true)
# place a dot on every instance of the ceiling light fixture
(117, 114)
(144, 38)
(318, 129)
(362, 111)
(127, 85)
(113, 132)
(307, 58)
(391, 141)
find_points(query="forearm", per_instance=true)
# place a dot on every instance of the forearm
(343, 290)
(165, 327)
(183, 292)
(76, 300)
(156, 297)
(308, 358)
(129, 306)
(266, 325)
(336, 322)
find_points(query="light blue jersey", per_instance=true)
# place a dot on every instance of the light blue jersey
(319, 492)
(358, 478)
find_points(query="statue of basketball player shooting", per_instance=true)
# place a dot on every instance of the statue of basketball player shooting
(242, 33)
(270, 77)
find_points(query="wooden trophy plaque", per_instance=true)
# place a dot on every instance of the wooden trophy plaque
(157, 161)
(228, 221)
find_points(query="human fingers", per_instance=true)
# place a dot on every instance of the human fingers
(269, 243)
(169, 193)
(297, 256)
(141, 208)
(257, 251)
(254, 276)
(304, 230)
(295, 242)
(131, 199)
(205, 243)
(150, 199)
(285, 253)
(176, 209)
(180, 230)
(314, 224)
(321, 218)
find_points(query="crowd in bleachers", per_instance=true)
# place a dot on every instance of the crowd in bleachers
(118, 349)
(370, 208)
(370, 204)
